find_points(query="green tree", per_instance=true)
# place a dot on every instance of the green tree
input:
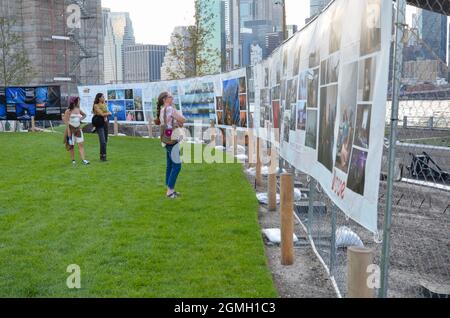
(190, 52)
(15, 66)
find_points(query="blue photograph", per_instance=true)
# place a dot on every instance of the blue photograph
(120, 94)
(231, 102)
(2, 112)
(41, 95)
(25, 111)
(129, 104)
(117, 108)
(15, 95)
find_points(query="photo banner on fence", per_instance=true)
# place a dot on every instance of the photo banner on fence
(221, 99)
(333, 82)
(22, 103)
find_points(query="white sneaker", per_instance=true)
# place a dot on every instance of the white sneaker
(74, 162)
(85, 162)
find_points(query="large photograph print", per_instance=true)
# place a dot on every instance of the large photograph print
(234, 98)
(328, 107)
(197, 102)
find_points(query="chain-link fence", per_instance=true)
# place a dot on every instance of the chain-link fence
(415, 260)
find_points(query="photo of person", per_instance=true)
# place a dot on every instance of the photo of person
(120, 94)
(276, 111)
(129, 105)
(291, 98)
(243, 102)
(336, 29)
(130, 116)
(286, 122)
(242, 85)
(301, 115)
(219, 103)
(366, 82)
(231, 102)
(357, 174)
(311, 129)
(371, 27)
(111, 95)
(302, 86)
(266, 77)
(138, 99)
(313, 88)
(347, 114)
(129, 94)
(293, 116)
(220, 118)
(362, 132)
(333, 65)
(25, 111)
(139, 116)
(243, 119)
(328, 105)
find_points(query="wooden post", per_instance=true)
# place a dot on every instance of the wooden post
(272, 180)
(258, 162)
(33, 124)
(116, 126)
(287, 220)
(234, 136)
(150, 128)
(359, 259)
(213, 133)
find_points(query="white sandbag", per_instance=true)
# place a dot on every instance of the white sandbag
(345, 237)
(241, 157)
(274, 236)
(263, 198)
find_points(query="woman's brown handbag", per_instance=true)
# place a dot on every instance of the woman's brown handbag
(166, 133)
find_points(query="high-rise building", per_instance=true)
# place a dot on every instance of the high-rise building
(118, 33)
(215, 8)
(172, 65)
(434, 33)
(316, 6)
(142, 63)
(61, 52)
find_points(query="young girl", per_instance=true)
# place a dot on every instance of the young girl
(167, 114)
(73, 133)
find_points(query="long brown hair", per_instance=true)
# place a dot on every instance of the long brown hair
(160, 104)
(96, 101)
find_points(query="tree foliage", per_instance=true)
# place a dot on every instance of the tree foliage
(15, 66)
(191, 52)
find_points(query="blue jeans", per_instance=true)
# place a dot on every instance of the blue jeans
(173, 165)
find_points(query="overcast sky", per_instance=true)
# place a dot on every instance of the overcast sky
(154, 20)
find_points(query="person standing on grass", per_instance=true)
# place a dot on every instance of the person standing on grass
(73, 133)
(101, 121)
(171, 119)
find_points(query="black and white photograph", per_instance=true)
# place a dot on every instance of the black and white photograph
(313, 88)
(357, 174)
(311, 129)
(371, 27)
(297, 52)
(286, 124)
(328, 105)
(301, 115)
(346, 116)
(362, 131)
(329, 70)
(292, 122)
(291, 94)
(366, 79)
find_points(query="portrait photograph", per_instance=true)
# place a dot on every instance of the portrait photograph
(357, 174)
(366, 81)
(313, 88)
(371, 27)
(311, 129)
(362, 132)
(301, 115)
(328, 105)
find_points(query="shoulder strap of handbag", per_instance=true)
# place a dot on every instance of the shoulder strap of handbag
(165, 117)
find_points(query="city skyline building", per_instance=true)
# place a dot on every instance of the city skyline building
(118, 33)
(143, 62)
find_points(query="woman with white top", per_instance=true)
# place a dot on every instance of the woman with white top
(167, 114)
(73, 133)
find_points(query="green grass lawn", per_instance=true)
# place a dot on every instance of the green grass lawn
(112, 219)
